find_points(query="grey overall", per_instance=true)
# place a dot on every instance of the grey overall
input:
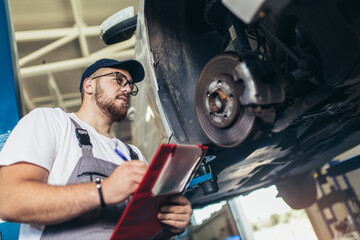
(101, 222)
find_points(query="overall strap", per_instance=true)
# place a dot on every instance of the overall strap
(133, 154)
(84, 139)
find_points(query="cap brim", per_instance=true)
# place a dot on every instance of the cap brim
(134, 67)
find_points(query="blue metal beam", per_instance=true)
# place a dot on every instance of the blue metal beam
(10, 110)
(10, 103)
(341, 167)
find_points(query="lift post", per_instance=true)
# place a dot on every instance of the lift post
(10, 95)
(338, 193)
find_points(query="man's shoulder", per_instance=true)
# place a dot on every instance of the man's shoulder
(47, 112)
(48, 115)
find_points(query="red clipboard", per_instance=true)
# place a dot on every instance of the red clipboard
(170, 172)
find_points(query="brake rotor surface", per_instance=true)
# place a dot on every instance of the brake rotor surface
(222, 118)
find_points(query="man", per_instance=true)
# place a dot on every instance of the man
(62, 175)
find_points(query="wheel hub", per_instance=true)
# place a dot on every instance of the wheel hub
(221, 116)
(220, 102)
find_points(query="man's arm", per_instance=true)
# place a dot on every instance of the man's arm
(25, 196)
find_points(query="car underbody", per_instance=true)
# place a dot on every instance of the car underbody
(274, 98)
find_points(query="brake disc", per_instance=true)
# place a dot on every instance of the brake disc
(222, 117)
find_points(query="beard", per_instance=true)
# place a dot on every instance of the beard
(109, 106)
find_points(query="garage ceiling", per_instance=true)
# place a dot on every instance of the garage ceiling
(56, 40)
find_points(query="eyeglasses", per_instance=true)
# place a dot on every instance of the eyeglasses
(122, 80)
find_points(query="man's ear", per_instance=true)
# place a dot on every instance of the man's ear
(88, 86)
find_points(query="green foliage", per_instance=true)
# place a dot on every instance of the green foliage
(276, 219)
(255, 227)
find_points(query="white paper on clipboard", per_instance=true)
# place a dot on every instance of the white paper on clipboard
(176, 174)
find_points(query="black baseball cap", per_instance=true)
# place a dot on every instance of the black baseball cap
(134, 67)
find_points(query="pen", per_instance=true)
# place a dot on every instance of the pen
(121, 155)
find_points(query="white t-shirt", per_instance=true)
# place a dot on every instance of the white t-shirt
(46, 137)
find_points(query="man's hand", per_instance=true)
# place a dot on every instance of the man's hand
(176, 215)
(123, 181)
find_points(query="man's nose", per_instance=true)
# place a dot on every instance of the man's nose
(127, 88)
